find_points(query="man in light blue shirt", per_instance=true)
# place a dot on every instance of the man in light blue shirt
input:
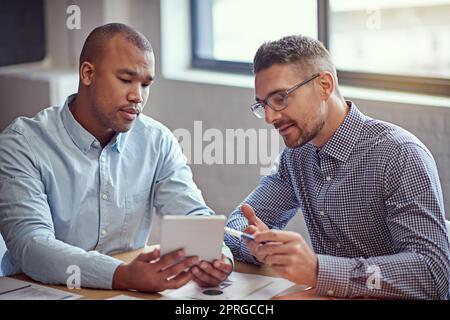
(80, 182)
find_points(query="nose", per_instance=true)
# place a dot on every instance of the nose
(135, 94)
(271, 115)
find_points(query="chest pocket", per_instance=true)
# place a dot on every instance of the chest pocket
(138, 203)
(137, 218)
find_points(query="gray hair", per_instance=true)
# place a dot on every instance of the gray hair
(307, 53)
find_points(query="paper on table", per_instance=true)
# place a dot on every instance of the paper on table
(123, 297)
(240, 286)
(12, 289)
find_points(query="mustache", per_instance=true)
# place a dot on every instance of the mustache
(283, 124)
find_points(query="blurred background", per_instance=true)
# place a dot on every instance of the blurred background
(393, 61)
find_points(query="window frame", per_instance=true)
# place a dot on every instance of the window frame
(392, 82)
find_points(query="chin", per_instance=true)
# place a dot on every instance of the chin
(123, 127)
(294, 145)
(296, 142)
(291, 143)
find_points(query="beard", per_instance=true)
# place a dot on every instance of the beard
(307, 134)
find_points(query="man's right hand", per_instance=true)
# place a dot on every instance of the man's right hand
(254, 224)
(149, 272)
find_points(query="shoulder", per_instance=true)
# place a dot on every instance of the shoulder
(22, 130)
(384, 138)
(46, 120)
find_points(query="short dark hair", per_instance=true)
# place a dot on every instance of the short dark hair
(97, 39)
(309, 54)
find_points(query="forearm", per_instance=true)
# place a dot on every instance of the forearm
(47, 260)
(405, 275)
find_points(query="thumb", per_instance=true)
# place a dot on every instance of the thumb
(148, 256)
(252, 219)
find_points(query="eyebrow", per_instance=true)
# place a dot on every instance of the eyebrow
(133, 73)
(270, 93)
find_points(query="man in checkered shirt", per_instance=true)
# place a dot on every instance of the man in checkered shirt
(369, 190)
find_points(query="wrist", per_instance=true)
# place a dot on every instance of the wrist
(119, 278)
(314, 273)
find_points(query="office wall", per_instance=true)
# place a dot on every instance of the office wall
(179, 103)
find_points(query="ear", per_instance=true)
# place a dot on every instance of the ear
(87, 71)
(327, 85)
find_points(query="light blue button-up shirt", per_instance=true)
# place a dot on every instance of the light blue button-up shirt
(66, 201)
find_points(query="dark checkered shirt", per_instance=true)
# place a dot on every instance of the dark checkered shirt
(373, 206)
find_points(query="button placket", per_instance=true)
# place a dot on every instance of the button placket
(104, 195)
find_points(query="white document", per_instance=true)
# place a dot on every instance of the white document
(124, 297)
(238, 286)
(12, 289)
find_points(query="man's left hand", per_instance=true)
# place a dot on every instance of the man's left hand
(207, 274)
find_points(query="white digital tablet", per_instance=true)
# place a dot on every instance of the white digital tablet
(200, 236)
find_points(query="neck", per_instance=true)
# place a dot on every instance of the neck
(82, 111)
(337, 109)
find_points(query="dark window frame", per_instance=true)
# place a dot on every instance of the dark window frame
(414, 84)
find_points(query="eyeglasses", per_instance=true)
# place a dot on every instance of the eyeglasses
(277, 101)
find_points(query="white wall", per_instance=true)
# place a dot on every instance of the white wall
(178, 103)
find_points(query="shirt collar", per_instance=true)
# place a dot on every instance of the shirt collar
(346, 136)
(82, 138)
(118, 140)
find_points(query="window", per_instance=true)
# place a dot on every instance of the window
(27, 42)
(395, 45)
(227, 33)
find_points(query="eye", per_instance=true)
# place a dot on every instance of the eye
(125, 81)
(277, 99)
(145, 85)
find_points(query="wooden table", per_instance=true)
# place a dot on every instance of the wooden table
(294, 293)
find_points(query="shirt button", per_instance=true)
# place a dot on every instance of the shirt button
(338, 245)
(104, 196)
(330, 292)
(328, 178)
(103, 232)
(322, 213)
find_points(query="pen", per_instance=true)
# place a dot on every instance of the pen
(239, 234)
